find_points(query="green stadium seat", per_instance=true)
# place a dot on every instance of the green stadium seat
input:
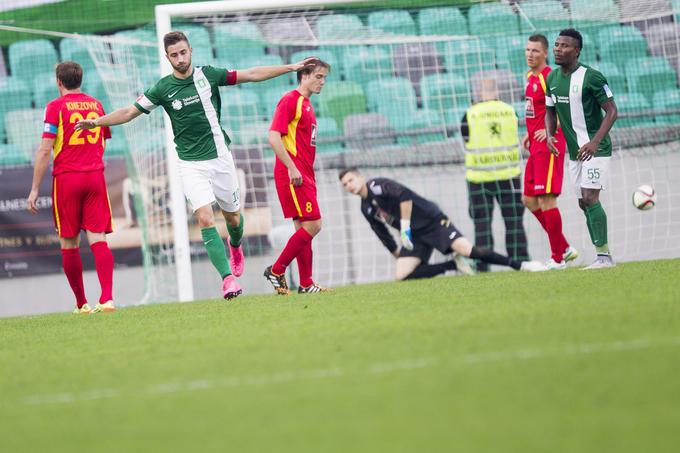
(445, 20)
(327, 129)
(620, 44)
(447, 94)
(283, 82)
(144, 55)
(237, 40)
(589, 14)
(492, 18)
(368, 130)
(543, 16)
(335, 27)
(339, 26)
(616, 79)
(394, 98)
(340, 99)
(467, 57)
(429, 125)
(201, 47)
(75, 50)
(648, 75)
(11, 155)
(667, 100)
(365, 63)
(24, 129)
(394, 21)
(116, 145)
(509, 52)
(239, 112)
(44, 89)
(15, 95)
(633, 103)
(27, 58)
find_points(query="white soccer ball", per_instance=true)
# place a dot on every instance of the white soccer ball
(644, 197)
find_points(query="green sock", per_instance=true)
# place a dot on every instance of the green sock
(235, 233)
(588, 224)
(216, 251)
(598, 222)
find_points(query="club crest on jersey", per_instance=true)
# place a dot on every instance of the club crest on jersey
(200, 83)
(177, 104)
(534, 87)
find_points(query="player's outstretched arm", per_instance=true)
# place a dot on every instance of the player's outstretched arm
(261, 73)
(119, 116)
(42, 162)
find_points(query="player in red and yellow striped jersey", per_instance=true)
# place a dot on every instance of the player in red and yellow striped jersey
(544, 170)
(79, 197)
(293, 137)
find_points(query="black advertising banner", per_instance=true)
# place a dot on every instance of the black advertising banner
(29, 243)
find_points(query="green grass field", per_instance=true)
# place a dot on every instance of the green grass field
(509, 362)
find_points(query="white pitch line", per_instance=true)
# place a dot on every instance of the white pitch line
(381, 368)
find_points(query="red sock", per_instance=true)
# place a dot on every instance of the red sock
(295, 245)
(540, 215)
(304, 260)
(103, 262)
(73, 268)
(553, 225)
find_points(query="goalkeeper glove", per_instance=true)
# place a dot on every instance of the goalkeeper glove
(406, 237)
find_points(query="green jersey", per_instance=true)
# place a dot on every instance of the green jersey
(578, 99)
(193, 105)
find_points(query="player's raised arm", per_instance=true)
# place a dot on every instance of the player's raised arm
(119, 116)
(261, 73)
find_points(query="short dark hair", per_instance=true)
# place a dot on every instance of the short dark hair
(311, 66)
(70, 74)
(348, 170)
(573, 33)
(539, 38)
(173, 38)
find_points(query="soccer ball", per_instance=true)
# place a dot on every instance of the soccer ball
(644, 197)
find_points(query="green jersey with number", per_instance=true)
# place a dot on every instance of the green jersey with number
(578, 99)
(193, 105)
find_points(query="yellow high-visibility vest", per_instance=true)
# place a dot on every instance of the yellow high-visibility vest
(492, 151)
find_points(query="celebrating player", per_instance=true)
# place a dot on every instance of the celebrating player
(577, 94)
(79, 197)
(422, 226)
(544, 170)
(293, 137)
(191, 98)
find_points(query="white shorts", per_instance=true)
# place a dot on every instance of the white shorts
(207, 181)
(590, 174)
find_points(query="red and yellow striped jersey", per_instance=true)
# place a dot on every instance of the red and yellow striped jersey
(75, 150)
(294, 118)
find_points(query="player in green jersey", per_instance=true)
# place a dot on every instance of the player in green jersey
(577, 94)
(191, 98)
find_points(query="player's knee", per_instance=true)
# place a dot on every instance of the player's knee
(205, 219)
(313, 227)
(400, 274)
(589, 199)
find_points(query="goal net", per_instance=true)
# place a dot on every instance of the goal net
(400, 83)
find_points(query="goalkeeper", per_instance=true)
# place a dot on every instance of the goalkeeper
(423, 227)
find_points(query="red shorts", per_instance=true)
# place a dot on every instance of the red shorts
(80, 202)
(544, 173)
(299, 202)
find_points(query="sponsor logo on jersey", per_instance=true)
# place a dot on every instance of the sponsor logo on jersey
(191, 100)
(177, 104)
(562, 99)
(172, 94)
(529, 108)
(312, 141)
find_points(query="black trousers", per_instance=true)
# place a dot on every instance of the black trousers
(508, 194)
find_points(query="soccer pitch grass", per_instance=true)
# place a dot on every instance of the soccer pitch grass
(566, 361)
